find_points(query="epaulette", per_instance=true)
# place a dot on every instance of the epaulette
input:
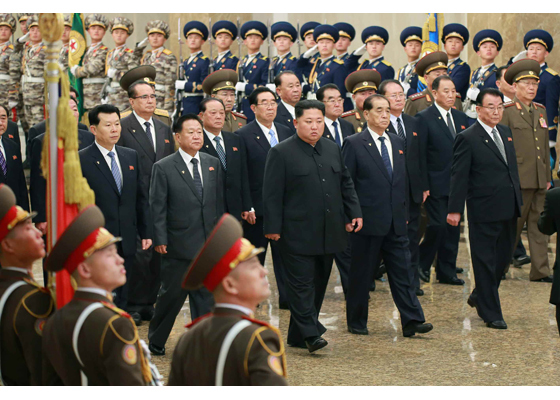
(44, 47)
(129, 50)
(235, 113)
(276, 359)
(10, 46)
(167, 51)
(127, 113)
(263, 57)
(551, 71)
(387, 63)
(103, 47)
(417, 96)
(196, 321)
(348, 113)
(461, 63)
(292, 57)
(509, 104)
(336, 60)
(116, 309)
(231, 56)
(539, 104)
(204, 57)
(163, 113)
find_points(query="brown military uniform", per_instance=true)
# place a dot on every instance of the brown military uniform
(93, 73)
(165, 64)
(234, 121)
(356, 118)
(15, 95)
(108, 345)
(159, 114)
(530, 138)
(420, 101)
(256, 355)
(122, 59)
(33, 82)
(21, 328)
(7, 83)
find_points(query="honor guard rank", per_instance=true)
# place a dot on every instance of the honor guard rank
(225, 60)
(378, 34)
(306, 64)
(458, 70)
(407, 75)
(287, 61)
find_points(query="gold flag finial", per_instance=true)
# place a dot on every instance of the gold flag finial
(51, 26)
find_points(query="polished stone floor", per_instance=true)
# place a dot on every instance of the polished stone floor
(460, 350)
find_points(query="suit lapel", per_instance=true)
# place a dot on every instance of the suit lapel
(125, 169)
(228, 149)
(371, 148)
(138, 132)
(160, 141)
(280, 133)
(490, 142)
(442, 123)
(185, 174)
(259, 137)
(101, 164)
(511, 158)
(286, 114)
(209, 147)
(396, 156)
(205, 166)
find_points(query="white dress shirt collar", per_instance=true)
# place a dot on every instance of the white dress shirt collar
(340, 57)
(451, 60)
(142, 121)
(443, 112)
(266, 130)
(104, 151)
(376, 58)
(487, 128)
(394, 122)
(187, 157)
(291, 109)
(211, 136)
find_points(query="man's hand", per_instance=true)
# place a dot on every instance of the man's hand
(355, 225)
(240, 86)
(548, 185)
(273, 236)
(425, 195)
(453, 219)
(249, 216)
(360, 51)
(42, 226)
(12, 104)
(161, 249)
(73, 69)
(146, 244)
(311, 52)
(24, 38)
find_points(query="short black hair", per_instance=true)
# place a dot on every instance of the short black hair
(72, 90)
(208, 100)
(178, 126)
(368, 103)
(488, 92)
(383, 87)
(278, 79)
(303, 105)
(321, 91)
(254, 96)
(500, 72)
(93, 114)
(437, 81)
(132, 88)
(5, 109)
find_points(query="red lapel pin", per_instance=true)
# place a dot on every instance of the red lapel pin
(414, 134)
(401, 152)
(510, 139)
(211, 169)
(15, 157)
(131, 167)
(462, 126)
(11, 136)
(235, 149)
(166, 140)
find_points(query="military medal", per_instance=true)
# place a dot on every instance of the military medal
(543, 122)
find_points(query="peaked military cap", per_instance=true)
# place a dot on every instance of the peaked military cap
(487, 35)
(307, 29)
(377, 33)
(525, 68)
(223, 79)
(33, 20)
(431, 62)
(145, 73)
(224, 27)
(254, 28)
(122, 23)
(455, 30)
(224, 250)
(411, 33)
(68, 20)
(23, 16)
(158, 26)
(285, 29)
(362, 79)
(345, 30)
(195, 27)
(96, 20)
(8, 20)
(325, 32)
(10, 213)
(539, 36)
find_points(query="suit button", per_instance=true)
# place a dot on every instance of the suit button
(320, 165)
(535, 130)
(328, 210)
(538, 148)
(539, 157)
(537, 139)
(323, 179)
(328, 195)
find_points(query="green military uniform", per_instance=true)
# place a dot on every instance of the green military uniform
(7, 83)
(14, 64)
(356, 118)
(420, 101)
(63, 55)
(225, 79)
(365, 79)
(234, 121)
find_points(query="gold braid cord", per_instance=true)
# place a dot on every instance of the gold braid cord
(430, 26)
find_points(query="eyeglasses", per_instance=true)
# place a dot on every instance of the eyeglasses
(146, 96)
(494, 109)
(527, 83)
(267, 104)
(338, 100)
(397, 96)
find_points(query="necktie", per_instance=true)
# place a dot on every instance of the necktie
(221, 152)
(337, 134)
(3, 164)
(115, 171)
(273, 140)
(196, 177)
(450, 124)
(149, 133)
(400, 132)
(499, 144)
(385, 157)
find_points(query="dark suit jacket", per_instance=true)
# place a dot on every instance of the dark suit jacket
(236, 183)
(126, 214)
(416, 172)
(284, 117)
(12, 132)
(182, 220)
(438, 142)
(383, 201)
(257, 147)
(41, 127)
(134, 137)
(15, 177)
(480, 176)
(308, 197)
(38, 184)
(345, 127)
(548, 223)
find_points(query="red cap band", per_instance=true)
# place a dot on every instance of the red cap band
(4, 222)
(223, 267)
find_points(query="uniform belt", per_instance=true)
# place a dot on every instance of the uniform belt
(88, 81)
(160, 87)
(32, 79)
(4, 77)
(192, 95)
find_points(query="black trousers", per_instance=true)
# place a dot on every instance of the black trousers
(440, 239)
(306, 282)
(121, 298)
(255, 234)
(491, 249)
(171, 299)
(343, 260)
(519, 250)
(414, 238)
(396, 255)
(144, 280)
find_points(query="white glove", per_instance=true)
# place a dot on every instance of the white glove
(24, 38)
(472, 93)
(180, 85)
(73, 69)
(520, 56)
(240, 86)
(551, 144)
(406, 86)
(311, 52)
(360, 51)
(105, 100)
(271, 86)
(111, 72)
(12, 104)
(143, 43)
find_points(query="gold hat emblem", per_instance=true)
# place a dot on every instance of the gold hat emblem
(147, 79)
(531, 73)
(440, 63)
(364, 83)
(228, 83)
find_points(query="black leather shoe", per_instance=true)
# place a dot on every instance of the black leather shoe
(459, 270)
(381, 271)
(425, 276)
(357, 331)
(452, 281)
(521, 260)
(415, 328)
(504, 277)
(545, 279)
(419, 292)
(283, 305)
(136, 318)
(147, 313)
(315, 343)
(497, 324)
(471, 302)
(372, 287)
(156, 350)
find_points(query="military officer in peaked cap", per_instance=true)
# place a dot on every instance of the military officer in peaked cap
(7, 83)
(539, 44)
(24, 304)
(429, 67)
(90, 341)
(308, 58)
(224, 33)
(375, 38)
(221, 85)
(361, 84)
(195, 67)
(228, 346)
(252, 70)
(411, 40)
(454, 38)
(284, 35)
(346, 34)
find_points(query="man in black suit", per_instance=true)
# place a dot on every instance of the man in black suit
(309, 204)
(230, 150)
(288, 88)
(12, 132)
(113, 173)
(152, 140)
(377, 165)
(440, 124)
(186, 201)
(484, 173)
(406, 127)
(259, 137)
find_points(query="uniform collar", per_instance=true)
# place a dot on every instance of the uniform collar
(237, 307)
(375, 59)
(309, 149)
(16, 269)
